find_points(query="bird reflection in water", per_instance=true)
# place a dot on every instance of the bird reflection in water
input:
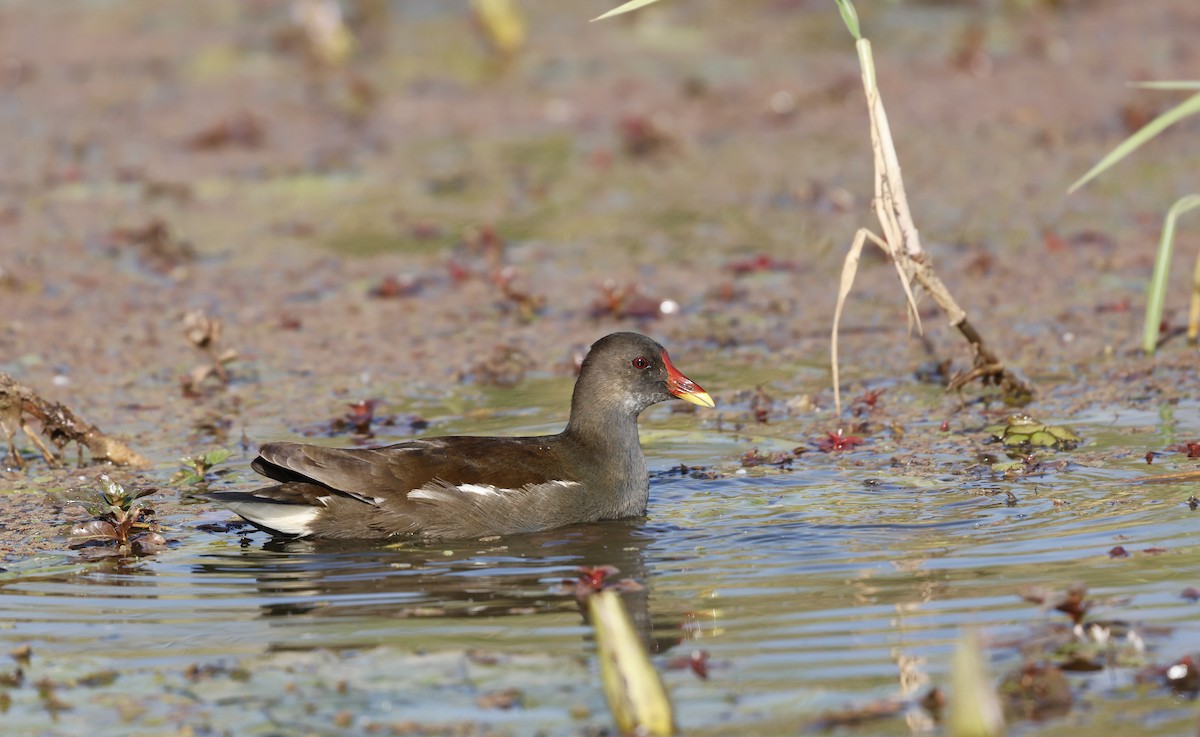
(519, 575)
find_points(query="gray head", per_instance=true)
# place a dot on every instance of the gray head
(631, 372)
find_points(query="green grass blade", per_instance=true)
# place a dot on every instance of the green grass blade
(1157, 292)
(631, 5)
(849, 17)
(1190, 106)
(1188, 84)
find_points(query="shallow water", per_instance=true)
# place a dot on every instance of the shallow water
(843, 581)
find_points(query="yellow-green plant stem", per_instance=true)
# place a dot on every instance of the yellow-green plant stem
(635, 693)
(1156, 294)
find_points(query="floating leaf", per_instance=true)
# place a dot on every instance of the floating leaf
(196, 468)
(97, 529)
(213, 457)
(1022, 430)
(149, 543)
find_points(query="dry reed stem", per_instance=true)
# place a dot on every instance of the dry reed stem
(902, 243)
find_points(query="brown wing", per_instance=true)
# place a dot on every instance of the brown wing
(441, 510)
(380, 473)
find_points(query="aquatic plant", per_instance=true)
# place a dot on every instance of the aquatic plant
(120, 521)
(196, 468)
(1156, 290)
(1025, 432)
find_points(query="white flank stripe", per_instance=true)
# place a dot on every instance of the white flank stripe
(482, 490)
(290, 519)
(485, 490)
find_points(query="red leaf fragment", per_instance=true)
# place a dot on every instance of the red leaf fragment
(1191, 447)
(392, 287)
(759, 263)
(1121, 305)
(760, 405)
(642, 136)
(242, 129)
(598, 578)
(361, 415)
(527, 303)
(866, 402)
(1182, 676)
(752, 458)
(1053, 241)
(697, 661)
(836, 441)
(593, 577)
(457, 271)
(626, 300)
(1070, 602)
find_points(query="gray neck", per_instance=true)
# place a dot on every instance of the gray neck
(609, 435)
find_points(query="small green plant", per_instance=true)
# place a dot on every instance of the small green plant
(1022, 432)
(196, 468)
(1157, 289)
(120, 524)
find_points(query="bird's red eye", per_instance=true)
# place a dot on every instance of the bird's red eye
(641, 362)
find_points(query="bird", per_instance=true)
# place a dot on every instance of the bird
(460, 487)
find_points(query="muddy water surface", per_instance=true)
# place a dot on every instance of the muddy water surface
(836, 584)
(435, 228)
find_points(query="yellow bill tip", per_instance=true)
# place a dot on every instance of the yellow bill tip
(701, 398)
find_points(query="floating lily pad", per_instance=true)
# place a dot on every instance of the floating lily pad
(1021, 430)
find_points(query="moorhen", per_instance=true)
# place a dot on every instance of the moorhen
(465, 487)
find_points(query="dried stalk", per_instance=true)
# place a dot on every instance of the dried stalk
(902, 243)
(59, 424)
